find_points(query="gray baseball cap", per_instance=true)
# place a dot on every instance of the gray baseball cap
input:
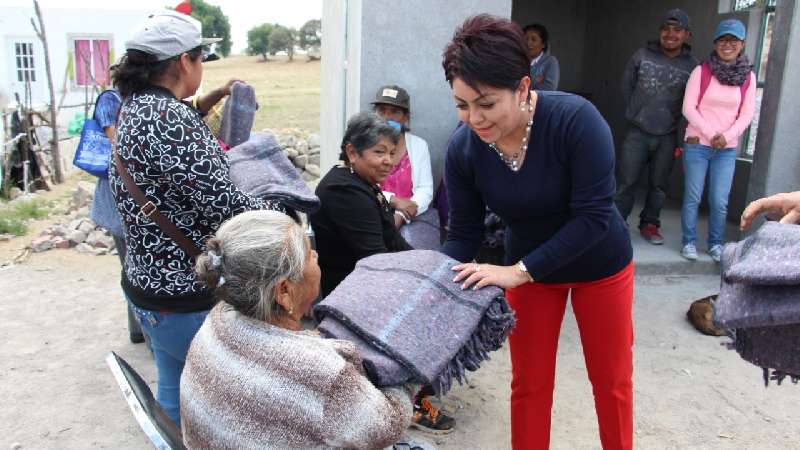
(168, 33)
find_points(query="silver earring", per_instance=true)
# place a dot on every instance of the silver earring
(522, 106)
(351, 167)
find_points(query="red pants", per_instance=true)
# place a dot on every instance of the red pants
(603, 311)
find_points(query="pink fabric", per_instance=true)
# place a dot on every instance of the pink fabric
(100, 55)
(719, 110)
(399, 180)
(83, 54)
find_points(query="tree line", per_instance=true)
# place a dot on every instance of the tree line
(265, 39)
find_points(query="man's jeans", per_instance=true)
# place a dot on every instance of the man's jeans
(640, 150)
(170, 335)
(719, 164)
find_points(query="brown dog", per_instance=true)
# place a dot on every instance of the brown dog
(700, 314)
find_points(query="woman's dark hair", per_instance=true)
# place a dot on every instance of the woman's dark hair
(138, 70)
(541, 30)
(488, 50)
(364, 130)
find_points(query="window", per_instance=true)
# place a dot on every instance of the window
(26, 72)
(741, 5)
(91, 61)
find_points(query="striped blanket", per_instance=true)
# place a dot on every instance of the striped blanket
(413, 323)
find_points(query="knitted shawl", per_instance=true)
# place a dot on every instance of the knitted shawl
(414, 323)
(238, 115)
(423, 232)
(260, 168)
(759, 299)
(250, 385)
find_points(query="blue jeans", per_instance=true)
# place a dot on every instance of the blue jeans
(170, 335)
(720, 164)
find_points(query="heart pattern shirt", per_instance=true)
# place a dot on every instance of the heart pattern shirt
(178, 164)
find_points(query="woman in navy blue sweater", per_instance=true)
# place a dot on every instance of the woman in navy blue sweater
(544, 162)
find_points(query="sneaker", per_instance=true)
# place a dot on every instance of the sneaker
(650, 234)
(428, 418)
(689, 251)
(715, 252)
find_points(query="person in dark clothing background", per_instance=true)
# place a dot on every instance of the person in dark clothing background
(653, 86)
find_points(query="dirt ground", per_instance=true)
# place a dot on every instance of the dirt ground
(63, 312)
(288, 93)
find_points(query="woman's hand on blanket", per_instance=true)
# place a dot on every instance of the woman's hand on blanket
(784, 207)
(225, 89)
(481, 275)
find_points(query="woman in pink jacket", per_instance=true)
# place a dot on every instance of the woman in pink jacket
(718, 104)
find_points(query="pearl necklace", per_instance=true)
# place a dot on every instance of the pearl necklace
(514, 162)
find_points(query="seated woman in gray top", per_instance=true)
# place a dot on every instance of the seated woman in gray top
(544, 66)
(253, 378)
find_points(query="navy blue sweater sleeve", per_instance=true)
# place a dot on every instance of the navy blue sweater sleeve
(467, 210)
(590, 154)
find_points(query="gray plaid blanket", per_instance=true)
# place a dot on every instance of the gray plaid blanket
(411, 323)
(238, 115)
(759, 299)
(260, 168)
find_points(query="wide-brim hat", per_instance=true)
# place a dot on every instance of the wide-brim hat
(167, 34)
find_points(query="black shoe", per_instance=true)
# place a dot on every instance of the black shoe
(428, 418)
(136, 338)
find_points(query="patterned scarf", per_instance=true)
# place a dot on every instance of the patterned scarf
(730, 74)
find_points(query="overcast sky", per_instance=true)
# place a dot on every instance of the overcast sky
(242, 14)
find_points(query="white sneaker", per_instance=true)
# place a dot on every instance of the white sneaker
(716, 253)
(689, 251)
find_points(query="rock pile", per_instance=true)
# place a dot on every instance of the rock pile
(80, 231)
(302, 148)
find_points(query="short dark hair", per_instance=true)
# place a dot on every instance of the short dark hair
(138, 70)
(541, 30)
(364, 130)
(488, 50)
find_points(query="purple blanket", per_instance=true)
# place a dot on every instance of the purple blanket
(238, 115)
(423, 232)
(413, 324)
(759, 299)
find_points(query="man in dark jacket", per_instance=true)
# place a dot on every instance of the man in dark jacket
(653, 86)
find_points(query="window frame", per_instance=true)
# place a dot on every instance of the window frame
(91, 37)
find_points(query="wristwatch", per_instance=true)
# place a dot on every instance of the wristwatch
(521, 267)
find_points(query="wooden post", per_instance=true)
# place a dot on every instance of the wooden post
(55, 153)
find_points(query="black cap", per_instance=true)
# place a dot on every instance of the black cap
(677, 17)
(393, 95)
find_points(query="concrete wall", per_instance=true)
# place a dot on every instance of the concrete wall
(566, 23)
(776, 163)
(399, 43)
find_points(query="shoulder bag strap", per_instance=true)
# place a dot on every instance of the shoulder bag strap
(148, 209)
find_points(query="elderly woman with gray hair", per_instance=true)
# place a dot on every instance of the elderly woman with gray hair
(253, 378)
(356, 220)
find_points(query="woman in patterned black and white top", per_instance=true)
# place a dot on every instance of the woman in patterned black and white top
(177, 163)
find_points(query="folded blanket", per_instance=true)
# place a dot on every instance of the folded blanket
(423, 232)
(260, 168)
(238, 114)
(762, 308)
(414, 324)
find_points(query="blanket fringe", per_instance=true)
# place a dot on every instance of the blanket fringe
(742, 345)
(489, 336)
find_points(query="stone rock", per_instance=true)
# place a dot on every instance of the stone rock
(301, 161)
(60, 242)
(42, 243)
(313, 140)
(313, 159)
(313, 151)
(14, 193)
(100, 251)
(76, 237)
(60, 230)
(82, 195)
(5, 237)
(75, 224)
(313, 169)
(312, 184)
(308, 177)
(302, 147)
(292, 153)
(97, 238)
(83, 212)
(86, 226)
(289, 140)
(84, 248)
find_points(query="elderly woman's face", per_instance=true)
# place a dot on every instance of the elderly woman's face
(374, 163)
(535, 43)
(308, 287)
(493, 113)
